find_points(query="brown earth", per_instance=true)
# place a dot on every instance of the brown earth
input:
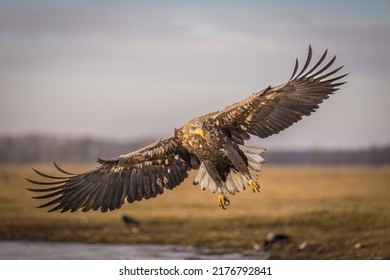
(329, 212)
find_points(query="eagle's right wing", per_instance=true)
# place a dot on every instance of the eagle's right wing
(276, 108)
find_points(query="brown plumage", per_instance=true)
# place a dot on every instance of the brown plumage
(212, 144)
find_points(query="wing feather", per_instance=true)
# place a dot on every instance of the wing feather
(308, 59)
(274, 109)
(142, 174)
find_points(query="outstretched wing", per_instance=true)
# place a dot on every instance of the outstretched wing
(275, 108)
(137, 175)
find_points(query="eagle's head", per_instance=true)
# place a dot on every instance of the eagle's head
(193, 134)
(194, 129)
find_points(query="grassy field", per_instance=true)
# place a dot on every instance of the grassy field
(330, 213)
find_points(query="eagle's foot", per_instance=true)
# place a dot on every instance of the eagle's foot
(255, 186)
(223, 201)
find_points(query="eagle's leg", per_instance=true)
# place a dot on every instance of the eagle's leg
(223, 201)
(254, 185)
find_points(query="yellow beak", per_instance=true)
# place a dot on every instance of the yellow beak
(200, 132)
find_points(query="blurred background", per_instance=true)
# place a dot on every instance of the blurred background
(98, 78)
(86, 79)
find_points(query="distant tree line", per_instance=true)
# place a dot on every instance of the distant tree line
(38, 148)
(44, 149)
(367, 156)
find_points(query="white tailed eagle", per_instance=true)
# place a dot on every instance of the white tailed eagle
(212, 144)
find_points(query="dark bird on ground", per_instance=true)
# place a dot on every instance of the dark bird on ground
(129, 221)
(212, 144)
(275, 237)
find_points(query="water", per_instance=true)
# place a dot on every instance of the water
(27, 250)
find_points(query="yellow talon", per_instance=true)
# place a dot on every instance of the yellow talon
(223, 201)
(255, 186)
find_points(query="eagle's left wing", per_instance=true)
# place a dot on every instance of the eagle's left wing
(275, 108)
(142, 174)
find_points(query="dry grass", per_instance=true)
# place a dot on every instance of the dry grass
(330, 209)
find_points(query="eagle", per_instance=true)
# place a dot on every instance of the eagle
(213, 144)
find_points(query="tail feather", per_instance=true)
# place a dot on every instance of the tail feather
(255, 160)
(230, 186)
(200, 175)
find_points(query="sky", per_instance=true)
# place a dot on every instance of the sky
(125, 70)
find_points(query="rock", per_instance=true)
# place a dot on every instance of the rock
(257, 247)
(358, 245)
(306, 244)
